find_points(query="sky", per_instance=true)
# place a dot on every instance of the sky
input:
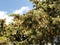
(13, 6)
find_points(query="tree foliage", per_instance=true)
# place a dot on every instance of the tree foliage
(38, 26)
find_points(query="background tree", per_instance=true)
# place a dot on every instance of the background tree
(38, 26)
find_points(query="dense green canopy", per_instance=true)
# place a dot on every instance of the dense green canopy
(38, 26)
